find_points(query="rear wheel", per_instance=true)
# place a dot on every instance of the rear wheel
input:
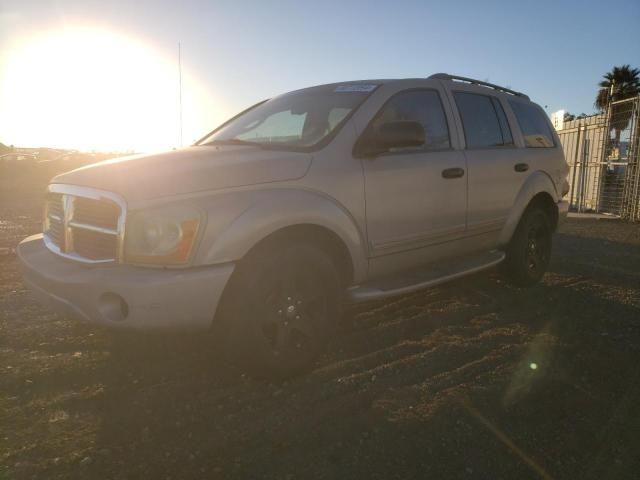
(282, 304)
(529, 251)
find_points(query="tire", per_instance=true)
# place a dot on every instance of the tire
(280, 310)
(529, 252)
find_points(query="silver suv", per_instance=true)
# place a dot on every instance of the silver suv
(259, 231)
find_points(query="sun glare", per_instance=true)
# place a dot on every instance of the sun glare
(92, 89)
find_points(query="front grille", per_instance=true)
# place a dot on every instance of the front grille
(56, 232)
(55, 218)
(94, 245)
(96, 212)
(83, 223)
(55, 205)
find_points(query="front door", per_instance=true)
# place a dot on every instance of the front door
(415, 196)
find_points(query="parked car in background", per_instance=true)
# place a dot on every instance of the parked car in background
(66, 162)
(259, 232)
(18, 161)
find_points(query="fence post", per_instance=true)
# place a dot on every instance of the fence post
(603, 152)
(575, 167)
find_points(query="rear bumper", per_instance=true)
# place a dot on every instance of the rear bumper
(120, 296)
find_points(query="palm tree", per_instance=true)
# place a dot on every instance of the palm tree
(618, 84)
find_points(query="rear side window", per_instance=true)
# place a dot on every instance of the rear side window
(483, 120)
(423, 106)
(534, 125)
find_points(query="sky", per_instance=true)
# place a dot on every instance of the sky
(103, 74)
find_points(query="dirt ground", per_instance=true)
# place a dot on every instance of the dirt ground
(474, 380)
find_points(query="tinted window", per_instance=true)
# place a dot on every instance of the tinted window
(534, 125)
(423, 106)
(480, 121)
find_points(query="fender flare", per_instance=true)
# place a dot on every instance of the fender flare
(272, 210)
(537, 182)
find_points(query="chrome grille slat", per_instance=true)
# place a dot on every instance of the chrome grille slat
(92, 228)
(84, 224)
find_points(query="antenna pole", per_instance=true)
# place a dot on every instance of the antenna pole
(180, 86)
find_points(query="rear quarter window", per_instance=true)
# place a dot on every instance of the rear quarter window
(533, 124)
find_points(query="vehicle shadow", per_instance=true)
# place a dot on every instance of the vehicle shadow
(474, 376)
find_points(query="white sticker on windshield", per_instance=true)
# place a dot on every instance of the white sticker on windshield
(354, 88)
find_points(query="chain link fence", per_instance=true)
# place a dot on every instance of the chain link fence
(602, 152)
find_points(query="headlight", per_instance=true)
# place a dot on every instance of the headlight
(160, 238)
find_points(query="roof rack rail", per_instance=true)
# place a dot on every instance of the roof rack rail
(446, 76)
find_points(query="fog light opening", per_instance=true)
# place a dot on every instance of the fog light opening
(113, 307)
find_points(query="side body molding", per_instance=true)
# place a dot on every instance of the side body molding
(537, 182)
(270, 210)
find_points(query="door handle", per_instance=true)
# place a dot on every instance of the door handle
(521, 167)
(452, 173)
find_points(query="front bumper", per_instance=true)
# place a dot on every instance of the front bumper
(122, 296)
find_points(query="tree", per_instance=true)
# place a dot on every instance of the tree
(569, 117)
(618, 84)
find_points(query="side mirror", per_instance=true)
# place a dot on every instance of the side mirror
(391, 135)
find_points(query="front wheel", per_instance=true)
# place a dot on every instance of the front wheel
(529, 251)
(282, 305)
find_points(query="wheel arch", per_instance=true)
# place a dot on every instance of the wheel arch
(291, 215)
(539, 189)
(545, 201)
(310, 234)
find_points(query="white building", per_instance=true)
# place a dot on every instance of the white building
(557, 119)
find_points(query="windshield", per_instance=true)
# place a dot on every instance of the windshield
(297, 120)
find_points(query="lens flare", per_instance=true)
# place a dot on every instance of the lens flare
(93, 89)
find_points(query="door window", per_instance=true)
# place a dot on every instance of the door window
(483, 127)
(422, 106)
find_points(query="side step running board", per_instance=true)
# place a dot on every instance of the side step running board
(428, 276)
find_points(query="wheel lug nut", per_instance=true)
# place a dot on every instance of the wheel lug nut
(289, 298)
(297, 317)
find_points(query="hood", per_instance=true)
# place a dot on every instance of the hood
(188, 170)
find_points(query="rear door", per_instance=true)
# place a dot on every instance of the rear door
(415, 196)
(542, 149)
(494, 174)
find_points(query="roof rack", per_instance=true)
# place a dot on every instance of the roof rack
(446, 76)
